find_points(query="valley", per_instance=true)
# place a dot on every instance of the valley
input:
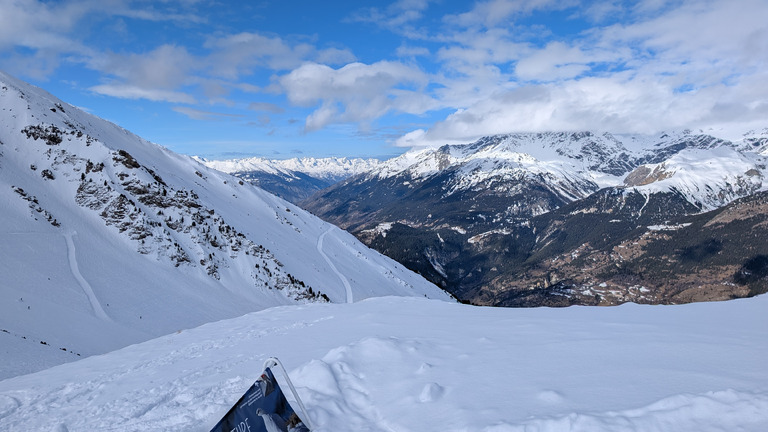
(561, 219)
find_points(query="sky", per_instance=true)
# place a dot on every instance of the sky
(367, 78)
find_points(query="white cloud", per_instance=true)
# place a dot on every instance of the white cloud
(694, 64)
(703, 34)
(615, 104)
(412, 51)
(334, 56)
(472, 47)
(58, 26)
(559, 60)
(556, 61)
(240, 54)
(38, 66)
(54, 32)
(642, 66)
(650, 6)
(494, 12)
(266, 107)
(328, 113)
(40, 25)
(477, 64)
(152, 13)
(398, 16)
(197, 114)
(600, 11)
(165, 67)
(230, 59)
(156, 75)
(127, 91)
(356, 92)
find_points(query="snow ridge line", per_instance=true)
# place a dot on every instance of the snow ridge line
(711, 411)
(97, 309)
(8, 404)
(344, 280)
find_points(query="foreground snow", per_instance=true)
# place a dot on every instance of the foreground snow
(406, 364)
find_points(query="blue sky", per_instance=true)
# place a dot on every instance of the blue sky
(360, 78)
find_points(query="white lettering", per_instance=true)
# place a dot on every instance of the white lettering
(242, 427)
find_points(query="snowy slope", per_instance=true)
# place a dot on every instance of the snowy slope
(706, 178)
(756, 141)
(379, 365)
(107, 239)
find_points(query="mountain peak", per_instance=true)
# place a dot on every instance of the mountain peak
(500, 220)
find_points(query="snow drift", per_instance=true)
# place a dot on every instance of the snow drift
(407, 364)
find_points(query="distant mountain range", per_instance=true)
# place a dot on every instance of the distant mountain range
(293, 179)
(543, 219)
(107, 239)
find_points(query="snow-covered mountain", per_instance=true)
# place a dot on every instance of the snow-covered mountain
(293, 179)
(107, 239)
(332, 168)
(707, 178)
(506, 179)
(470, 217)
(710, 171)
(407, 364)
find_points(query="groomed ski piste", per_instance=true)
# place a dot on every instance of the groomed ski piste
(410, 364)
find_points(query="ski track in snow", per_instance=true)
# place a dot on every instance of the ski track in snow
(344, 280)
(8, 405)
(647, 200)
(97, 309)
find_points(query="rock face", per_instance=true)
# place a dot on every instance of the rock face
(611, 257)
(563, 218)
(107, 239)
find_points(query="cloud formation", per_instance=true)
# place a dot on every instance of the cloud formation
(197, 114)
(694, 64)
(169, 72)
(156, 75)
(266, 107)
(235, 55)
(451, 72)
(399, 16)
(357, 92)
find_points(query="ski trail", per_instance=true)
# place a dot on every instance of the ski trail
(647, 200)
(333, 267)
(97, 309)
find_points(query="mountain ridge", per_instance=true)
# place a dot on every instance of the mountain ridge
(296, 178)
(109, 239)
(331, 168)
(453, 212)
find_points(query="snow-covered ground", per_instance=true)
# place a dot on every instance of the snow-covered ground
(409, 364)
